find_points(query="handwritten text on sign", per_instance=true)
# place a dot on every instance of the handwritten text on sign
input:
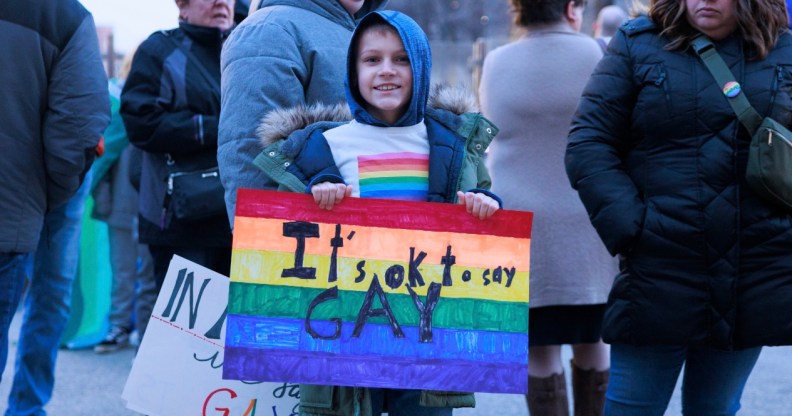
(177, 369)
(378, 293)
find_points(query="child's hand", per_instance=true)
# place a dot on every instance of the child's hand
(328, 194)
(478, 204)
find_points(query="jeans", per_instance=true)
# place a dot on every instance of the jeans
(47, 306)
(124, 265)
(12, 276)
(131, 263)
(642, 380)
(147, 290)
(403, 403)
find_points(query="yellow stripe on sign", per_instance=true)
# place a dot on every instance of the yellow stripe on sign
(259, 267)
(392, 244)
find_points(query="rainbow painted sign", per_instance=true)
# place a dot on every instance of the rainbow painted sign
(378, 293)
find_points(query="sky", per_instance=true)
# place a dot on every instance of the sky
(133, 20)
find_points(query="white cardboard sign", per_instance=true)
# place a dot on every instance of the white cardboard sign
(178, 368)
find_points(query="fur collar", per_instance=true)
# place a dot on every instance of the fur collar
(278, 124)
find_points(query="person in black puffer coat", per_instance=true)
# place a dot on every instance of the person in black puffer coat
(658, 157)
(170, 105)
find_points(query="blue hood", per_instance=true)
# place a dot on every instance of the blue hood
(417, 46)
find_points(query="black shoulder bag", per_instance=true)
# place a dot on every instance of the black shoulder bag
(193, 193)
(769, 171)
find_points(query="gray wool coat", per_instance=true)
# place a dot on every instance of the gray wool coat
(288, 53)
(530, 89)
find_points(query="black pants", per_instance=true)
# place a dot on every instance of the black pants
(214, 258)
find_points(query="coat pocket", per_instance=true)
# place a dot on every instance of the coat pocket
(781, 101)
(446, 399)
(317, 400)
(654, 97)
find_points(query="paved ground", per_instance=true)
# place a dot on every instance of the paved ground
(90, 385)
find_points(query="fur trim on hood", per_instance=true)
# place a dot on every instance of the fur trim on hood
(278, 124)
(457, 100)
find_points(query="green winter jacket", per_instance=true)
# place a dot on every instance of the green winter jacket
(293, 136)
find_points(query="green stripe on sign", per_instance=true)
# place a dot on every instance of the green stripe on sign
(293, 302)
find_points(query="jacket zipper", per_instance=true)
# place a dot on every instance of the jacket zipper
(771, 133)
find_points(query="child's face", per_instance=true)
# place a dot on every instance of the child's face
(384, 74)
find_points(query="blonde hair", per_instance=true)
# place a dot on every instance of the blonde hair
(126, 64)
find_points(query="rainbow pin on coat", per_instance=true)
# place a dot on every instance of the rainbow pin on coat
(732, 89)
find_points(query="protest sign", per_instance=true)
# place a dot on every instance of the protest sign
(378, 293)
(177, 370)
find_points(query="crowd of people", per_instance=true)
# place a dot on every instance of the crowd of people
(650, 253)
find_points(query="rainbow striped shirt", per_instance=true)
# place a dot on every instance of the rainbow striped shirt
(402, 176)
(382, 162)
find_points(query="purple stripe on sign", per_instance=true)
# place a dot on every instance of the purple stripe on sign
(376, 340)
(391, 372)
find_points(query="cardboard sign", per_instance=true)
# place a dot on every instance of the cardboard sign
(378, 293)
(177, 370)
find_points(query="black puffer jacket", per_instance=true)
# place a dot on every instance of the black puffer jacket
(170, 107)
(659, 158)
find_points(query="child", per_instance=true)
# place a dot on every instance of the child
(432, 155)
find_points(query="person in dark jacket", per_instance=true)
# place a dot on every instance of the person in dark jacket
(56, 107)
(658, 157)
(170, 105)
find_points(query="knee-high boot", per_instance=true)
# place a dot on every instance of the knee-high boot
(588, 390)
(547, 396)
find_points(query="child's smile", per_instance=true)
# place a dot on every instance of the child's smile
(384, 75)
(386, 87)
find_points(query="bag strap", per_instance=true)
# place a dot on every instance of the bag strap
(170, 163)
(198, 64)
(748, 116)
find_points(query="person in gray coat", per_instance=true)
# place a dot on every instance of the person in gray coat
(529, 89)
(289, 52)
(54, 88)
(609, 19)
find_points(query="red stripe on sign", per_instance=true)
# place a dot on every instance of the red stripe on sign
(372, 212)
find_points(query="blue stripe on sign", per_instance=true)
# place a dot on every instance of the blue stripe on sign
(376, 340)
(370, 371)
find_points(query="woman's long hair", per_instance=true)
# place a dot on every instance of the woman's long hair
(760, 23)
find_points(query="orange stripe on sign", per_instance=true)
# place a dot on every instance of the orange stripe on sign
(386, 243)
